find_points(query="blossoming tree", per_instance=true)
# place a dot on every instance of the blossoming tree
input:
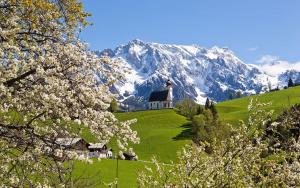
(49, 82)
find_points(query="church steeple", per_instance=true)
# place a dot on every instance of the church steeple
(168, 84)
(169, 87)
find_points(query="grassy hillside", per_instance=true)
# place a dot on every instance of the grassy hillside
(163, 133)
(234, 110)
(105, 171)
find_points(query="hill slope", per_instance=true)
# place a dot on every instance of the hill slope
(163, 133)
(234, 110)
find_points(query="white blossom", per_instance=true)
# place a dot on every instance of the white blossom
(47, 84)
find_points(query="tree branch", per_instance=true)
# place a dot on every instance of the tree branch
(11, 82)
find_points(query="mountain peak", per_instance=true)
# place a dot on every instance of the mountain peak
(137, 41)
(196, 72)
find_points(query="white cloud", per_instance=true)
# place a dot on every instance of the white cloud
(267, 59)
(277, 67)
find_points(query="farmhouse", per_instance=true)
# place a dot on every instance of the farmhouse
(93, 150)
(78, 144)
(161, 99)
(99, 150)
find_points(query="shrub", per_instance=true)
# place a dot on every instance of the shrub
(188, 108)
(285, 130)
(207, 128)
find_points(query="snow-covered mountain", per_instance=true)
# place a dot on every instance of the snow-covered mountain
(281, 71)
(196, 72)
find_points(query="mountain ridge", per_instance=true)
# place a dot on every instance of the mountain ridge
(196, 72)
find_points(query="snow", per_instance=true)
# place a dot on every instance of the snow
(137, 49)
(211, 55)
(191, 68)
(131, 78)
(252, 91)
(189, 79)
(223, 87)
(201, 97)
(185, 62)
(193, 50)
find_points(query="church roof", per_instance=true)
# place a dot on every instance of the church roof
(159, 95)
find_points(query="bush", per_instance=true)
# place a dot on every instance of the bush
(188, 108)
(290, 83)
(113, 106)
(285, 130)
(207, 128)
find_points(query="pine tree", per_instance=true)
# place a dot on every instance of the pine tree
(239, 94)
(200, 110)
(290, 83)
(207, 104)
(213, 111)
(231, 96)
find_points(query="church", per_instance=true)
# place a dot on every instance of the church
(161, 99)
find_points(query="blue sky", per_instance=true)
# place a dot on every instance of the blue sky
(251, 28)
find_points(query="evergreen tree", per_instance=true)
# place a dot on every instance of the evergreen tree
(290, 83)
(207, 104)
(202, 128)
(231, 96)
(213, 111)
(239, 94)
(200, 110)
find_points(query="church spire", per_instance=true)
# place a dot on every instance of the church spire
(168, 84)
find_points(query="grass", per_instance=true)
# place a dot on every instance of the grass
(105, 171)
(163, 133)
(234, 110)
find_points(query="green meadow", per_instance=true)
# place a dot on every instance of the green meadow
(163, 133)
(234, 110)
(100, 173)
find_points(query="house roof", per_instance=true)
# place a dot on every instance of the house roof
(67, 141)
(129, 155)
(96, 145)
(159, 95)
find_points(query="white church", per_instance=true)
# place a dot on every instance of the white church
(161, 99)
